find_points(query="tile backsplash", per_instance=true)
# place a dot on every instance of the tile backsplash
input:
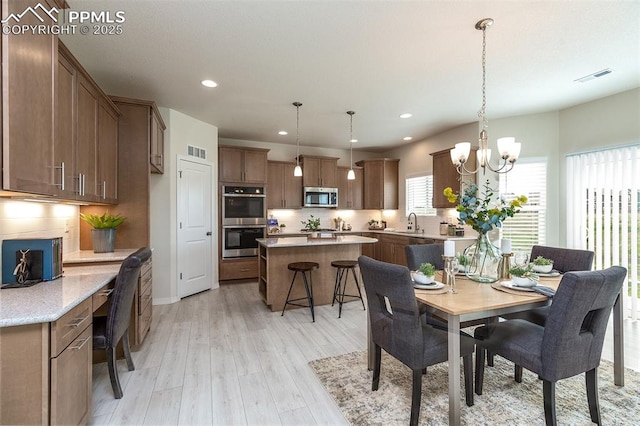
(24, 219)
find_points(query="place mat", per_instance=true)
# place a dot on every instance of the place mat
(438, 291)
(496, 285)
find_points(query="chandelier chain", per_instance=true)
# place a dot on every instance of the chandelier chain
(483, 109)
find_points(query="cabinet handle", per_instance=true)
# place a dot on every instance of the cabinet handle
(79, 346)
(61, 184)
(245, 270)
(79, 183)
(77, 322)
(106, 293)
(104, 189)
(84, 179)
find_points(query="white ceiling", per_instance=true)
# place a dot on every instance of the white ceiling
(378, 58)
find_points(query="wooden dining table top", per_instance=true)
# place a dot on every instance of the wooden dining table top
(473, 297)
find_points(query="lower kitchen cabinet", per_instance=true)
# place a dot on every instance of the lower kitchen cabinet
(239, 269)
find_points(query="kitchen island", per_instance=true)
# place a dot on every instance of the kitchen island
(276, 253)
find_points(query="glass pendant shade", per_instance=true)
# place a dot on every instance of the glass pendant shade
(297, 172)
(351, 175)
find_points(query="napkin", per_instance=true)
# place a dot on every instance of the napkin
(544, 290)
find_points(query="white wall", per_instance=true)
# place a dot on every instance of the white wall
(182, 130)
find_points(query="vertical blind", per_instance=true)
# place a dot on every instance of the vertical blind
(419, 195)
(528, 227)
(602, 210)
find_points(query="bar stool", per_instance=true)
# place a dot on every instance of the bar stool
(303, 268)
(342, 274)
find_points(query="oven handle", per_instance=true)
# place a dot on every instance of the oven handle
(243, 226)
(245, 195)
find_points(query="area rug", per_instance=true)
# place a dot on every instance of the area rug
(504, 401)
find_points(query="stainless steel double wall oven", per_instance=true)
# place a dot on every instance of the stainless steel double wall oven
(244, 218)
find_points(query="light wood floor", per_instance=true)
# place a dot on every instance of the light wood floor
(221, 357)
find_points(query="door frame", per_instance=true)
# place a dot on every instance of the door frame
(214, 229)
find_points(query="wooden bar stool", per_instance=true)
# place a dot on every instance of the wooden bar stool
(342, 274)
(303, 268)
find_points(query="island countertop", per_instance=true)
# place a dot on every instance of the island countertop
(307, 242)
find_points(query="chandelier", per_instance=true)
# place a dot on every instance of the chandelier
(508, 148)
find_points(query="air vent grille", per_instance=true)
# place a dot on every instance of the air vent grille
(195, 151)
(595, 75)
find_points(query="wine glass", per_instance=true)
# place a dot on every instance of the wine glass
(451, 268)
(521, 259)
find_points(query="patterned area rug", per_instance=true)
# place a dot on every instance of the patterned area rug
(504, 401)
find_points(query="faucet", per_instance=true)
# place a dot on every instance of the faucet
(410, 223)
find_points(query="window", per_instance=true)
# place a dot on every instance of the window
(420, 195)
(527, 228)
(603, 210)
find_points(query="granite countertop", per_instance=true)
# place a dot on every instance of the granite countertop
(376, 231)
(305, 242)
(50, 300)
(88, 256)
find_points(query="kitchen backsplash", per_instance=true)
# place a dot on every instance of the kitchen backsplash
(23, 219)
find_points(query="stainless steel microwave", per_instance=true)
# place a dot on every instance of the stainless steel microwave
(320, 197)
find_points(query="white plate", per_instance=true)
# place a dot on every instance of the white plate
(509, 284)
(433, 286)
(553, 273)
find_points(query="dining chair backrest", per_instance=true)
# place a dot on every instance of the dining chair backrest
(393, 310)
(577, 321)
(564, 259)
(119, 315)
(424, 253)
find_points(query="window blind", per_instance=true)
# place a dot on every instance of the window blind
(602, 210)
(419, 195)
(528, 227)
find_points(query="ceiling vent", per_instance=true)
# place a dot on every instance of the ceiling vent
(195, 151)
(597, 74)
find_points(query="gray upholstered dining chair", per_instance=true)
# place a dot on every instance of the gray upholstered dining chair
(564, 260)
(421, 253)
(396, 327)
(109, 330)
(569, 344)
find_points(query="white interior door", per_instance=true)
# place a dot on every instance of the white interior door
(195, 225)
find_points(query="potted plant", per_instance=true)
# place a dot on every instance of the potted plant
(464, 262)
(103, 233)
(425, 274)
(312, 225)
(523, 276)
(542, 265)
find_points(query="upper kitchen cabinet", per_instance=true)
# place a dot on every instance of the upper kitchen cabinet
(284, 190)
(446, 175)
(156, 144)
(350, 191)
(86, 142)
(380, 183)
(242, 165)
(319, 171)
(148, 131)
(29, 64)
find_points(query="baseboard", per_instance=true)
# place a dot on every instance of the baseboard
(165, 300)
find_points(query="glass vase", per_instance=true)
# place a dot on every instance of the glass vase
(485, 260)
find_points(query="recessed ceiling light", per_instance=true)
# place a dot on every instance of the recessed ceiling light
(406, 115)
(353, 140)
(209, 83)
(407, 138)
(283, 132)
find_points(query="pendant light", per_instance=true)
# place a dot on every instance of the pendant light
(351, 175)
(297, 172)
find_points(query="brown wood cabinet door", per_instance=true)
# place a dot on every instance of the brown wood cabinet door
(446, 175)
(156, 144)
(328, 173)
(344, 191)
(356, 190)
(65, 142)
(373, 184)
(29, 66)
(311, 172)
(292, 187)
(86, 152)
(255, 166)
(275, 191)
(230, 165)
(71, 382)
(108, 149)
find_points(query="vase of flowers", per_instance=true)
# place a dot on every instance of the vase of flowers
(483, 211)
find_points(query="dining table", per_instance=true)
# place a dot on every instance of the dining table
(473, 301)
